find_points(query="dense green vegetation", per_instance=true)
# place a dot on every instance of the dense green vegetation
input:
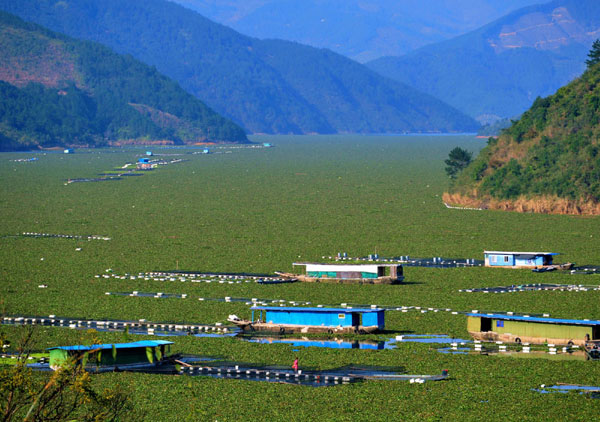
(266, 86)
(457, 160)
(500, 68)
(594, 54)
(71, 92)
(551, 150)
(260, 210)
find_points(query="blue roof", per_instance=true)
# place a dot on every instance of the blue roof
(536, 319)
(338, 310)
(143, 343)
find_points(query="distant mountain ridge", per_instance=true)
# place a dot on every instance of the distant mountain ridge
(58, 91)
(502, 67)
(547, 161)
(249, 80)
(360, 29)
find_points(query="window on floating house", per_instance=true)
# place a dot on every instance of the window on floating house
(506, 259)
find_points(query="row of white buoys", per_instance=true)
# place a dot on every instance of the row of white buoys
(117, 325)
(193, 277)
(425, 262)
(64, 236)
(533, 287)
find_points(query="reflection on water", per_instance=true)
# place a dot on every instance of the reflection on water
(329, 343)
(594, 392)
(429, 338)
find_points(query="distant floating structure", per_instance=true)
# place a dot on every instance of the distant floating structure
(267, 144)
(69, 151)
(144, 164)
(531, 260)
(350, 273)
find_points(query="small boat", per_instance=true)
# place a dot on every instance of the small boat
(592, 349)
(546, 268)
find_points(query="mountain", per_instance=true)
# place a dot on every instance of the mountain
(547, 161)
(267, 86)
(502, 67)
(58, 91)
(360, 29)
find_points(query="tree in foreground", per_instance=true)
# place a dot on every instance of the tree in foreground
(65, 395)
(594, 54)
(457, 160)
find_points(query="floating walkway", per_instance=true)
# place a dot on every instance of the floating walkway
(345, 375)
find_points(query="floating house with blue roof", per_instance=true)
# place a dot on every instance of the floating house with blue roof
(532, 329)
(518, 259)
(144, 163)
(375, 273)
(112, 356)
(288, 320)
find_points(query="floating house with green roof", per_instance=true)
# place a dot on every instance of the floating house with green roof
(112, 356)
(532, 329)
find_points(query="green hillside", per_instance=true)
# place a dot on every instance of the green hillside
(266, 86)
(502, 67)
(57, 91)
(548, 160)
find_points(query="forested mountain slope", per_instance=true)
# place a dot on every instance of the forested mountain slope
(58, 91)
(247, 79)
(547, 161)
(499, 69)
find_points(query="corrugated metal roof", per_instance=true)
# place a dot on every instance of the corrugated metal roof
(521, 253)
(536, 319)
(339, 310)
(142, 343)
